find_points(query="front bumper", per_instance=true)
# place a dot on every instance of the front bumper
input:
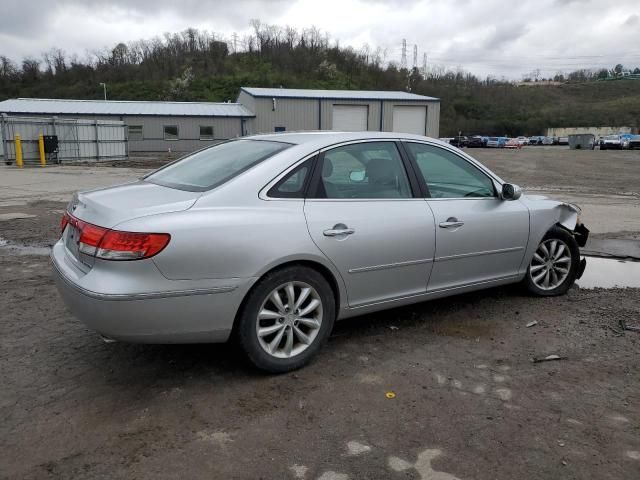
(169, 315)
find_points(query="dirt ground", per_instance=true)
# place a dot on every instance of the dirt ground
(466, 400)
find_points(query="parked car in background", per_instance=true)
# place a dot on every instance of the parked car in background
(476, 141)
(547, 141)
(513, 143)
(496, 142)
(522, 140)
(274, 237)
(625, 139)
(536, 140)
(563, 140)
(634, 142)
(460, 141)
(611, 142)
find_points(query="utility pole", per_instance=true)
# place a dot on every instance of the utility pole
(104, 88)
(403, 61)
(235, 42)
(424, 66)
(415, 56)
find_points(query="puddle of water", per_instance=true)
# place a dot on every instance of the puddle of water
(7, 246)
(610, 273)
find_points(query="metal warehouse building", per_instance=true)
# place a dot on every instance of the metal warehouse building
(188, 126)
(280, 109)
(152, 126)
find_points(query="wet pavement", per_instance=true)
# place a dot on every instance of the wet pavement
(610, 273)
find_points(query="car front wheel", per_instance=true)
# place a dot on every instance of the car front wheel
(555, 264)
(286, 318)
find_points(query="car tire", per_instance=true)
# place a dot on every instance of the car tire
(561, 246)
(278, 336)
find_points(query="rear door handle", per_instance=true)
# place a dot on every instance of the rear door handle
(452, 222)
(337, 230)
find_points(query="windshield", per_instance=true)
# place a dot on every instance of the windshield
(214, 166)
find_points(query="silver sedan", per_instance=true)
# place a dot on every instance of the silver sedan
(274, 237)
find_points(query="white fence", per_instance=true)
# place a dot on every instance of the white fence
(78, 140)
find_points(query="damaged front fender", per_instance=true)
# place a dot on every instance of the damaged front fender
(544, 213)
(569, 218)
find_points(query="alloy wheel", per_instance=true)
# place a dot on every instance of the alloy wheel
(550, 264)
(289, 319)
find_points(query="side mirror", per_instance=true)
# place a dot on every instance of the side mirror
(511, 191)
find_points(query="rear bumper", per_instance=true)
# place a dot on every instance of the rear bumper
(177, 315)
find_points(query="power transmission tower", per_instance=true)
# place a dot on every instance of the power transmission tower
(235, 42)
(424, 65)
(415, 56)
(403, 61)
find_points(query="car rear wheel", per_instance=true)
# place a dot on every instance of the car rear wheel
(286, 318)
(554, 266)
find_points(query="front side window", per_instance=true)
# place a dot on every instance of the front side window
(171, 132)
(363, 170)
(449, 176)
(216, 165)
(206, 132)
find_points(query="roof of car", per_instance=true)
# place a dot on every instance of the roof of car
(328, 137)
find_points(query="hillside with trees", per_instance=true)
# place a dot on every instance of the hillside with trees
(199, 66)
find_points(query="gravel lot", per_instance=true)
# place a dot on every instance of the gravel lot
(467, 401)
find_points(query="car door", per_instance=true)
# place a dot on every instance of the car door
(364, 212)
(479, 236)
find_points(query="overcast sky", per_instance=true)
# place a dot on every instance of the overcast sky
(502, 38)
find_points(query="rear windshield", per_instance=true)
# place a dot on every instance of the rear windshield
(216, 165)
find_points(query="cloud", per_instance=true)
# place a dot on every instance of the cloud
(500, 37)
(505, 34)
(632, 21)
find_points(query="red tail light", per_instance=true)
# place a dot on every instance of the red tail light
(108, 244)
(64, 222)
(117, 245)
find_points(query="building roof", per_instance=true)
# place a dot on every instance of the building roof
(335, 94)
(123, 107)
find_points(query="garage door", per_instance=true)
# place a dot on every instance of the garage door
(350, 118)
(410, 119)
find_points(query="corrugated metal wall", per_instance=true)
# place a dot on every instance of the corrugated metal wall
(293, 114)
(224, 128)
(317, 114)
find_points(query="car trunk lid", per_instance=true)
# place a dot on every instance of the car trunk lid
(110, 206)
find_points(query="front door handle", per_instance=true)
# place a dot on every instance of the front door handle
(337, 230)
(452, 222)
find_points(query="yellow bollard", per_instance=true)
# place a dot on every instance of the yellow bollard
(18, 151)
(43, 159)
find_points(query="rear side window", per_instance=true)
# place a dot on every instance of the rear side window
(216, 165)
(294, 184)
(449, 176)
